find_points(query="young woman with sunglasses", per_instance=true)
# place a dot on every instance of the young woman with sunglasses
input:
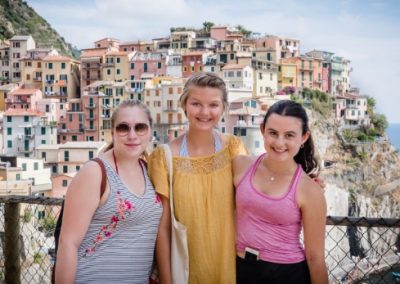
(202, 184)
(111, 239)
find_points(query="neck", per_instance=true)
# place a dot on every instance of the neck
(199, 138)
(200, 143)
(275, 167)
(124, 161)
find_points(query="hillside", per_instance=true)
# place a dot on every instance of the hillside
(17, 18)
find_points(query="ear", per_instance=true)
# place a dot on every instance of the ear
(305, 137)
(262, 128)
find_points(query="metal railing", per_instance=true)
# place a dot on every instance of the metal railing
(358, 250)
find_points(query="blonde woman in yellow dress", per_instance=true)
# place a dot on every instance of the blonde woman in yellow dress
(202, 185)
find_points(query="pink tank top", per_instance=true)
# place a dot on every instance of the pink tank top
(270, 225)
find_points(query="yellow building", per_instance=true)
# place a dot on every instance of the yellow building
(287, 75)
(116, 65)
(4, 90)
(60, 77)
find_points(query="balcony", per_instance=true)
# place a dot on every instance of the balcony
(91, 128)
(29, 136)
(170, 109)
(109, 64)
(91, 117)
(25, 150)
(90, 106)
(49, 82)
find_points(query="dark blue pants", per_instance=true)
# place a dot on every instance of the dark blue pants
(250, 271)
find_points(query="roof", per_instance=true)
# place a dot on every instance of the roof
(23, 112)
(48, 147)
(21, 37)
(24, 91)
(57, 58)
(118, 52)
(233, 66)
(93, 53)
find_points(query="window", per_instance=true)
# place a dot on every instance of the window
(26, 118)
(65, 169)
(9, 118)
(47, 108)
(9, 130)
(78, 168)
(132, 65)
(66, 156)
(159, 65)
(44, 155)
(18, 176)
(24, 167)
(118, 60)
(65, 183)
(132, 78)
(43, 130)
(91, 155)
(223, 129)
(108, 71)
(118, 71)
(43, 142)
(74, 138)
(9, 144)
(35, 166)
(50, 65)
(62, 65)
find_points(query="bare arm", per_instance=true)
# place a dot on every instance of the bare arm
(313, 208)
(163, 244)
(81, 201)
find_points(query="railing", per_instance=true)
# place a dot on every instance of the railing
(358, 250)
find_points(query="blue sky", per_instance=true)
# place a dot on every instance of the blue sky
(367, 32)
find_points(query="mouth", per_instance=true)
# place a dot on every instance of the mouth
(279, 150)
(204, 119)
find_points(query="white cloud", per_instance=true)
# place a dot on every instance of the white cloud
(364, 31)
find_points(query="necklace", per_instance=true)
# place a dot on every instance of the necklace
(272, 178)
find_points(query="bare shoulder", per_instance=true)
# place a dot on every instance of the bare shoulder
(87, 179)
(310, 191)
(239, 166)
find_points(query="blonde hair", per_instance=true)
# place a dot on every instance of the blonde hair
(124, 104)
(203, 80)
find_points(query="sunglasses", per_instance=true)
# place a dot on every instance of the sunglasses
(140, 129)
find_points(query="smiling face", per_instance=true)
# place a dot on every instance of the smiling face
(283, 137)
(129, 131)
(204, 108)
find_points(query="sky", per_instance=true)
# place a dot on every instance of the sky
(367, 32)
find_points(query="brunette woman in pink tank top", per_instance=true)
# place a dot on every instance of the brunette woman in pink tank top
(277, 198)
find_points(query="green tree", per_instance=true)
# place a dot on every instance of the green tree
(380, 123)
(207, 26)
(245, 32)
(370, 105)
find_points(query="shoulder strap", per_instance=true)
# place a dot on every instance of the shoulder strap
(103, 176)
(168, 159)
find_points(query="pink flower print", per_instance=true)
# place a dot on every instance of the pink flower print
(99, 239)
(128, 206)
(158, 199)
(124, 207)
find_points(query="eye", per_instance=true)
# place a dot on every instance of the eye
(290, 135)
(214, 105)
(272, 133)
(141, 128)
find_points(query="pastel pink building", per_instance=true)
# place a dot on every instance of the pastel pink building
(72, 125)
(284, 47)
(225, 33)
(147, 64)
(309, 71)
(23, 98)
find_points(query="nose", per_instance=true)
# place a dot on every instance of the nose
(204, 110)
(279, 141)
(132, 134)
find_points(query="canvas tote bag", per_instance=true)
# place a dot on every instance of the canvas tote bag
(179, 246)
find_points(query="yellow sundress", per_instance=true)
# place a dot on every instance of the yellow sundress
(204, 202)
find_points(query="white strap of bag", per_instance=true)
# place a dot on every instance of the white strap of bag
(168, 158)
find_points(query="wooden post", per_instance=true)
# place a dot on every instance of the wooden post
(12, 247)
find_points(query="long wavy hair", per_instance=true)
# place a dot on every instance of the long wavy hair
(306, 155)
